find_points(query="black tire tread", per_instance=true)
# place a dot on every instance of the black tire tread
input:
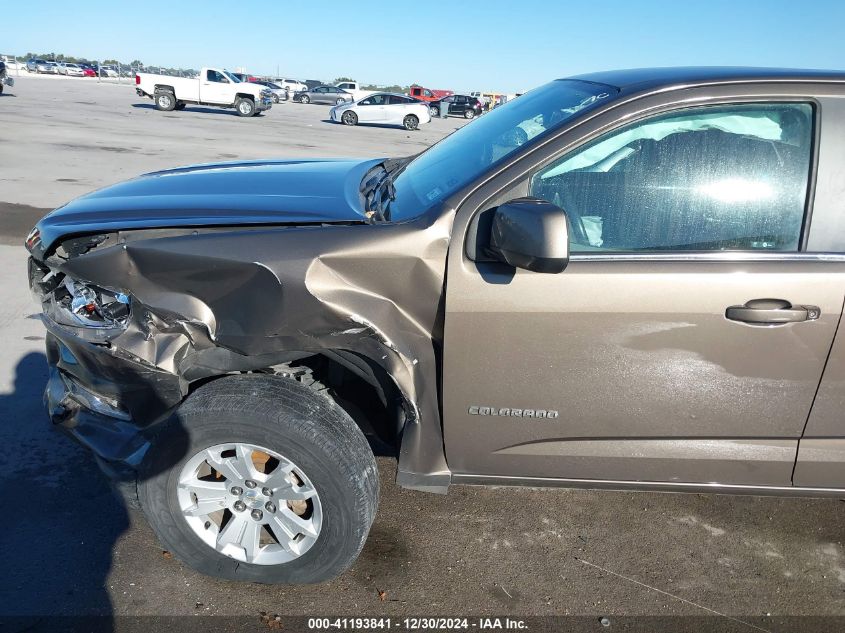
(314, 420)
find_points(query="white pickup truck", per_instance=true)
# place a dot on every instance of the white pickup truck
(214, 87)
(354, 88)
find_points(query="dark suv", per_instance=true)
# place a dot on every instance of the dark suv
(638, 297)
(457, 105)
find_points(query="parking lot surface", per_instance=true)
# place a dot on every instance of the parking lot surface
(69, 547)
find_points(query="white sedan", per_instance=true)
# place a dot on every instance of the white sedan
(383, 108)
(71, 70)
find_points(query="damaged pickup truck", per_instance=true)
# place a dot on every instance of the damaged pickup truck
(626, 280)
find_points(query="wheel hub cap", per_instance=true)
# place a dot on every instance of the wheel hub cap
(250, 503)
(254, 499)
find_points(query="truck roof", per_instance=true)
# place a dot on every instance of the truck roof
(636, 79)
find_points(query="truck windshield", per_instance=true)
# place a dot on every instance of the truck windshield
(231, 77)
(466, 154)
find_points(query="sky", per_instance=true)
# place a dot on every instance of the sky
(486, 45)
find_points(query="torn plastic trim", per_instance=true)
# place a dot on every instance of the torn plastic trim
(97, 403)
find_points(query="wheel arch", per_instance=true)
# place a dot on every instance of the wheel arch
(358, 384)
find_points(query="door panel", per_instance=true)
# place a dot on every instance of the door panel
(376, 110)
(366, 111)
(215, 89)
(821, 463)
(637, 362)
(742, 460)
(638, 351)
(828, 416)
(394, 113)
(821, 451)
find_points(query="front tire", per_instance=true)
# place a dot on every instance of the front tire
(411, 122)
(349, 118)
(434, 111)
(245, 107)
(315, 469)
(305, 99)
(165, 100)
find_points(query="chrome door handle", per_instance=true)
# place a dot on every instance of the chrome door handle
(771, 312)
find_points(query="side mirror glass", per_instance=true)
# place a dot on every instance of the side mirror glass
(532, 234)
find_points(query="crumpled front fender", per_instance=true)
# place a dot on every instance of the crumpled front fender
(212, 301)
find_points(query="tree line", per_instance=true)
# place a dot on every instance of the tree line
(134, 64)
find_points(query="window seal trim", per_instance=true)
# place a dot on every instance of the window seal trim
(710, 256)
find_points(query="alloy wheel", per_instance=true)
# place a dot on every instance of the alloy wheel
(250, 503)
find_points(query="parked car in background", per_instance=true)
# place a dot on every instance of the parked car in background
(291, 85)
(108, 71)
(354, 88)
(42, 66)
(279, 93)
(486, 98)
(323, 94)
(383, 108)
(87, 70)
(215, 86)
(245, 77)
(71, 70)
(503, 99)
(428, 94)
(458, 105)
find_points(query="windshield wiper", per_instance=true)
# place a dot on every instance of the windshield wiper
(376, 188)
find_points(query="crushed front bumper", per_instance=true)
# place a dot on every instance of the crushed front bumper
(105, 401)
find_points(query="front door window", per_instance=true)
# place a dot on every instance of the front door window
(713, 178)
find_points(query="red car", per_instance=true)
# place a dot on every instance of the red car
(427, 94)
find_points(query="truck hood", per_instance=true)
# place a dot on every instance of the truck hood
(223, 194)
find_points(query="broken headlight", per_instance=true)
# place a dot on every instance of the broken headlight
(76, 303)
(92, 306)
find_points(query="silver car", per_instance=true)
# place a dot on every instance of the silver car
(324, 94)
(279, 93)
(42, 66)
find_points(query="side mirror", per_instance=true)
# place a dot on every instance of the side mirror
(532, 234)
